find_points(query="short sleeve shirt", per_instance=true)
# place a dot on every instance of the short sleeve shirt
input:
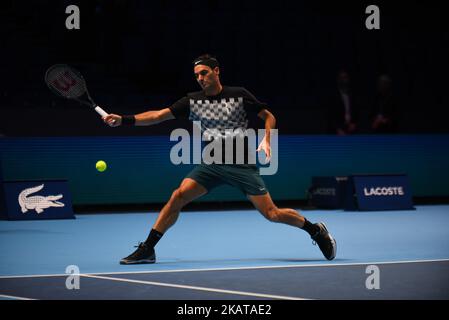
(221, 114)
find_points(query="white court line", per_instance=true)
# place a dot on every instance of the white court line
(179, 286)
(14, 297)
(231, 268)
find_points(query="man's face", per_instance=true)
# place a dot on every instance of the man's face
(205, 76)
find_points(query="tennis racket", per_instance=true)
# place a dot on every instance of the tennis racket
(68, 83)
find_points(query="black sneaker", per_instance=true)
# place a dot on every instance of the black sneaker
(143, 254)
(327, 244)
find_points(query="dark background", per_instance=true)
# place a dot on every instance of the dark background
(136, 55)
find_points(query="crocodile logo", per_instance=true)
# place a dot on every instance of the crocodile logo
(38, 203)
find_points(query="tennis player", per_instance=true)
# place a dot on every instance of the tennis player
(218, 107)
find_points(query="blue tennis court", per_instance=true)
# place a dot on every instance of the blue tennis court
(237, 255)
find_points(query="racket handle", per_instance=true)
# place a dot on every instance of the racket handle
(101, 111)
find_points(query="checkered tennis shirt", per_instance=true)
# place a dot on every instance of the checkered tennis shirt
(221, 116)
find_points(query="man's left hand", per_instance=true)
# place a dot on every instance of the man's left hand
(265, 146)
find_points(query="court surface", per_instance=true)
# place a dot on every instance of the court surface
(220, 255)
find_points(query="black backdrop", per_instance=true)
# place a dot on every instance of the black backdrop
(136, 55)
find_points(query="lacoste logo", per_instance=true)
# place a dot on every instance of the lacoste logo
(38, 203)
(384, 191)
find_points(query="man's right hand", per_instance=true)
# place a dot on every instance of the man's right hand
(113, 120)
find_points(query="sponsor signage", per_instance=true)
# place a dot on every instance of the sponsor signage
(327, 192)
(379, 192)
(36, 200)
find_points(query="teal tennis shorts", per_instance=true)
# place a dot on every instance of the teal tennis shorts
(244, 177)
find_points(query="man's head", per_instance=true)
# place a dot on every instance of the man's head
(207, 72)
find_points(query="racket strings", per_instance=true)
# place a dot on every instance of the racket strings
(65, 82)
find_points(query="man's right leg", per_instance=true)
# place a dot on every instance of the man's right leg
(188, 191)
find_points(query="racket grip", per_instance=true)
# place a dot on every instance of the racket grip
(101, 111)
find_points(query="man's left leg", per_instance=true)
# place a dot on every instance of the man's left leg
(317, 231)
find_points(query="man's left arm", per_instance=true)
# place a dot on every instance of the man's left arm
(270, 123)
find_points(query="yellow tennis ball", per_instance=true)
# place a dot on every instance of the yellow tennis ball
(101, 165)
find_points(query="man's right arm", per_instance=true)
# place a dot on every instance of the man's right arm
(142, 119)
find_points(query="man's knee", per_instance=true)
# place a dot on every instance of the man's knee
(178, 198)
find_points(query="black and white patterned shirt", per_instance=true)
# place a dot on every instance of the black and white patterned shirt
(222, 117)
(220, 114)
